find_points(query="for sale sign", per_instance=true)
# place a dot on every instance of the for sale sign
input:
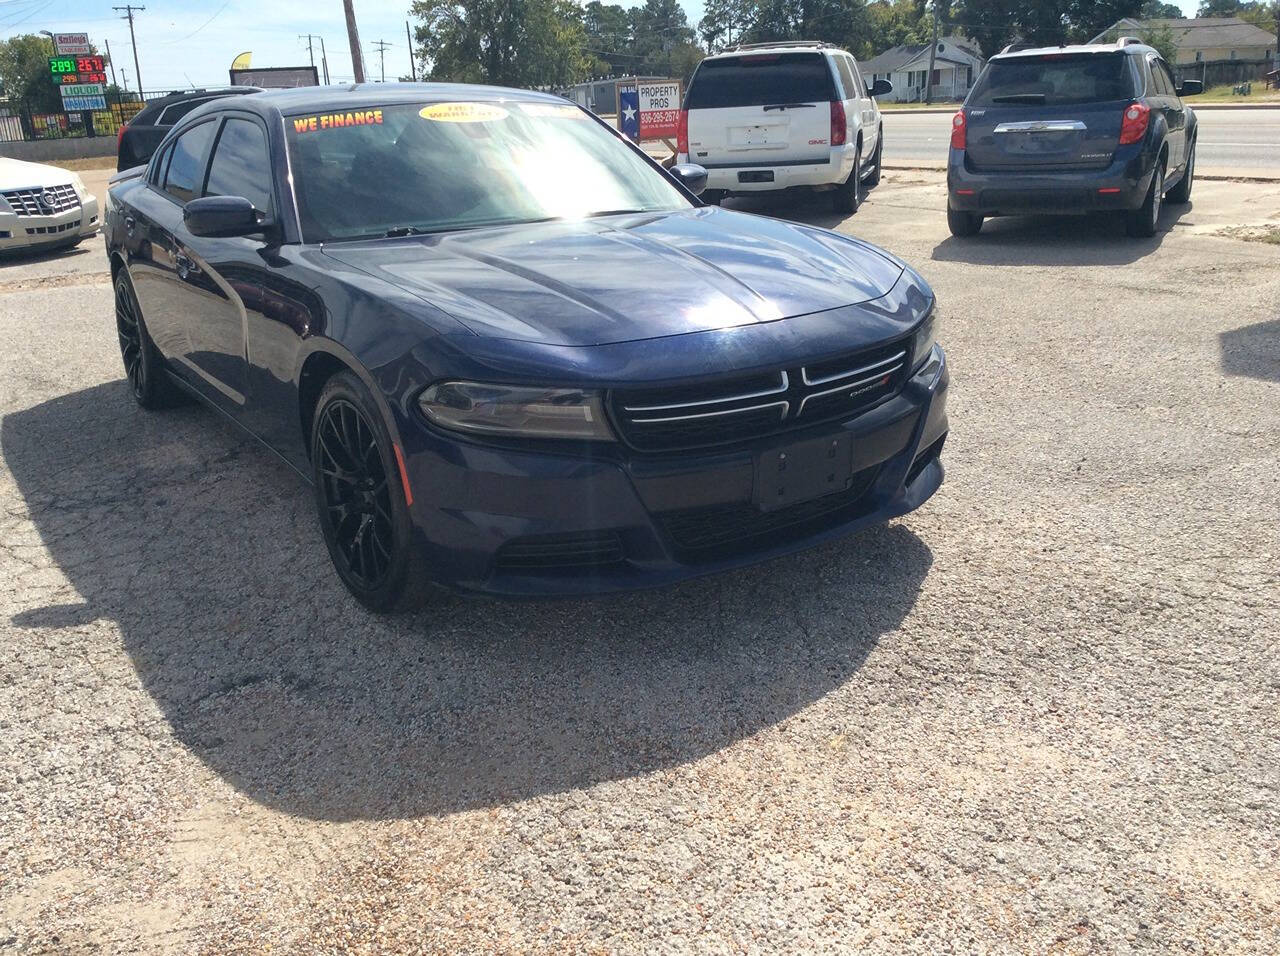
(71, 44)
(659, 110)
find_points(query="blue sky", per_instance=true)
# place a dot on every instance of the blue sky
(192, 42)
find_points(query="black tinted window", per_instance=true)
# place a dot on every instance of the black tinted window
(852, 86)
(758, 79)
(186, 164)
(240, 166)
(1054, 80)
(171, 114)
(1164, 82)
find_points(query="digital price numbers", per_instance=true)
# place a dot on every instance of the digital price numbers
(78, 69)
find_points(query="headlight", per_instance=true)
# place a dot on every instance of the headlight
(78, 185)
(926, 337)
(516, 411)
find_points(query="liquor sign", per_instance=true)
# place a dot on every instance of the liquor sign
(71, 44)
(659, 110)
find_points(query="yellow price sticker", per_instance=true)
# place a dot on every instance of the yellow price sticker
(463, 112)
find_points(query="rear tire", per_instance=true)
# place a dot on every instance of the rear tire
(143, 367)
(963, 224)
(1181, 193)
(361, 502)
(874, 179)
(1143, 222)
(846, 195)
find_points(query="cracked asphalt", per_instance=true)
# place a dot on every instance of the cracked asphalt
(1040, 714)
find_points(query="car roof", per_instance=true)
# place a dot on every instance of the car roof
(1130, 48)
(758, 49)
(306, 99)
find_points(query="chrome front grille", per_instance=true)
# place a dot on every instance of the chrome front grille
(740, 408)
(44, 201)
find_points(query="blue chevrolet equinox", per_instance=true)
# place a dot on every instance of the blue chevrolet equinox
(1072, 130)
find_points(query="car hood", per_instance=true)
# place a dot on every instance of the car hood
(18, 174)
(630, 277)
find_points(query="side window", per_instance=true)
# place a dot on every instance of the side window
(847, 81)
(1167, 76)
(186, 164)
(155, 175)
(1160, 85)
(858, 80)
(241, 164)
(172, 114)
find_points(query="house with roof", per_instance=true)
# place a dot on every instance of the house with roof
(956, 64)
(1203, 39)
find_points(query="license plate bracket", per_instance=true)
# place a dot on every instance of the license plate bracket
(801, 471)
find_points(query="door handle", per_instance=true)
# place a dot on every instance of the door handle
(186, 267)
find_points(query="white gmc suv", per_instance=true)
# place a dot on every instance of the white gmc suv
(767, 116)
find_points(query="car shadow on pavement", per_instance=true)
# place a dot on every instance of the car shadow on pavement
(1252, 351)
(1092, 240)
(202, 548)
(25, 256)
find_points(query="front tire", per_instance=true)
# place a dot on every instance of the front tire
(1181, 193)
(963, 224)
(846, 195)
(360, 499)
(143, 367)
(1142, 223)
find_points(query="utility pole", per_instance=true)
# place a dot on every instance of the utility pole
(128, 9)
(310, 55)
(324, 62)
(413, 67)
(933, 52)
(382, 57)
(353, 38)
(112, 63)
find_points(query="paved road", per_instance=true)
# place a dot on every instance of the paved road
(1036, 715)
(1242, 139)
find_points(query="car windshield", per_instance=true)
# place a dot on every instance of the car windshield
(437, 167)
(1054, 80)
(760, 79)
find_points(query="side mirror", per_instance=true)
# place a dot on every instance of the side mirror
(692, 177)
(881, 88)
(222, 216)
(1190, 88)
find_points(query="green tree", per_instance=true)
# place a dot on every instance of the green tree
(522, 43)
(1156, 10)
(994, 23)
(1261, 14)
(24, 73)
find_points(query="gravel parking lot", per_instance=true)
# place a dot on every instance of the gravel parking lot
(1040, 714)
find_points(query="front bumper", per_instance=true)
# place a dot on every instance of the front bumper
(19, 233)
(522, 522)
(757, 175)
(1122, 185)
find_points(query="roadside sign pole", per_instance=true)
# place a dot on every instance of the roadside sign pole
(111, 63)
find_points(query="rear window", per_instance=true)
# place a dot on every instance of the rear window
(1054, 80)
(761, 79)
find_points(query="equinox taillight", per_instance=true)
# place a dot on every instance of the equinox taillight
(958, 130)
(682, 132)
(839, 124)
(1133, 125)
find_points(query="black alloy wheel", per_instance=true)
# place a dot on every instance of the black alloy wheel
(356, 492)
(363, 510)
(142, 365)
(846, 195)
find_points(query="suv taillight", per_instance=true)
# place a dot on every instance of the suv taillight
(682, 132)
(839, 124)
(120, 135)
(958, 128)
(1133, 124)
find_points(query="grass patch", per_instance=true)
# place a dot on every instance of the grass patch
(90, 162)
(1223, 94)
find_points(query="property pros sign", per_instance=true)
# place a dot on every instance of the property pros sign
(71, 44)
(659, 109)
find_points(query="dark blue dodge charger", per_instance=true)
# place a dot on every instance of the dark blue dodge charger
(513, 354)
